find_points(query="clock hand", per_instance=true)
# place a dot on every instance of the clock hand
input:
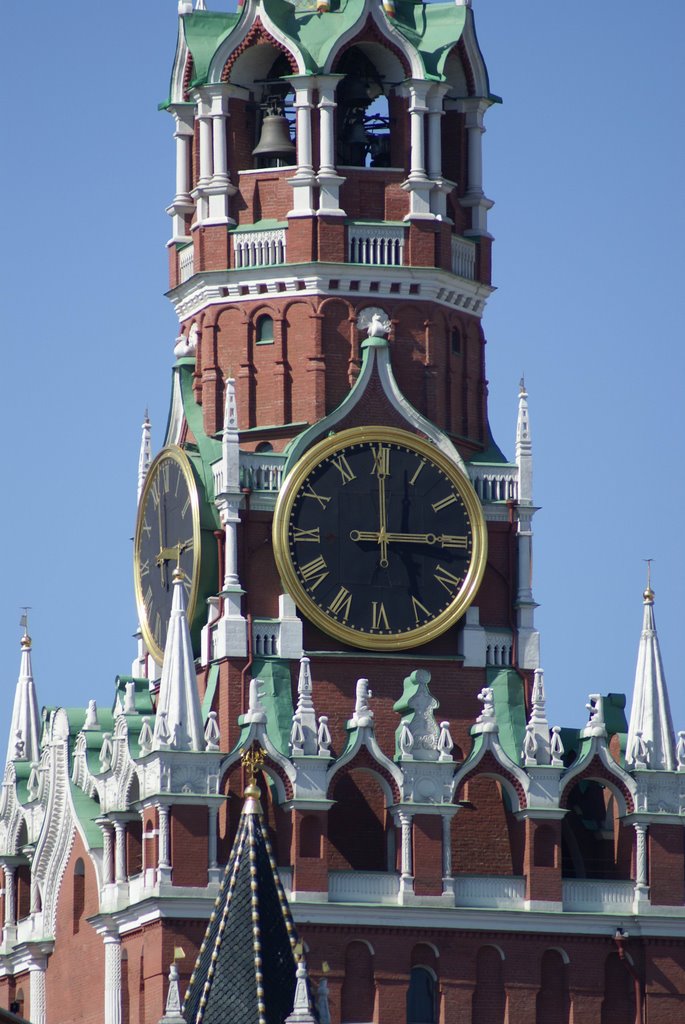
(445, 540)
(383, 532)
(166, 554)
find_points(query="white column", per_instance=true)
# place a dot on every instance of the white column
(304, 180)
(37, 992)
(112, 978)
(417, 184)
(219, 116)
(10, 901)
(447, 880)
(164, 852)
(119, 851)
(641, 878)
(329, 180)
(182, 204)
(206, 138)
(474, 109)
(214, 872)
(106, 855)
(435, 171)
(407, 867)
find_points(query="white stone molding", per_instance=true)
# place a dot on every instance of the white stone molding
(112, 1007)
(486, 734)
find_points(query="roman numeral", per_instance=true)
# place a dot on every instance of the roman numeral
(379, 618)
(158, 627)
(145, 567)
(381, 461)
(307, 535)
(165, 475)
(449, 541)
(418, 607)
(178, 482)
(420, 466)
(309, 492)
(343, 467)
(185, 507)
(147, 600)
(340, 605)
(147, 530)
(316, 570)
(446, 579)
(154, 491)
(440, 505)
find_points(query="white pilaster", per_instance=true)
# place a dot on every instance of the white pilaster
(407, 865)
(641, 876)
(475, 198)
(37, 991)
(214, 872)
(418, 184)
(119, 852)
(10, 904)
(164, 864)
(304, 180)
(206, 143)
(328, 178)
(112, 943)
(447, 880)
(107, 852)
(219, 189)
(440, 187)
(182, 204)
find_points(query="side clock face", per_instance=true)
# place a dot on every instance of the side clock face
(167, 535)
(379, 538)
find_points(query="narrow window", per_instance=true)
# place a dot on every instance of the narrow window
(265, 331)
(421, 1001)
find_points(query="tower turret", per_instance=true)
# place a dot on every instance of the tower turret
(24, 735)
(651, 738)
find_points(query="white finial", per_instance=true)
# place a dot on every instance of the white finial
(305, 713)
(33, 784)
(145, 738)
(19, 747)
(185, 7)
(106, 752)
(537, 749)
(556, 747)
(324, 738)
(200, 5)
(296, 738)
(406, 741)
(255, 709)
(145, 456)
(91, 721)
(530, 746)
(524, 448)
(363, 715)
(130, 698)
(445, 742)
(172, 1011)
(25, 717)
(596, 725)
(680, 752)
(650, 712)
(302, 1011)
(487, 720)
(638, 754)
(178, 695)
(212, 734)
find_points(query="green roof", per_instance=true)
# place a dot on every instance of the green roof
(204, 33)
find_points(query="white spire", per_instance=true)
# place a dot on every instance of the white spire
(524, 448)
(537, 730)
(650, 714)
(305, 730)
(24, 734)
(145, 457)
(179, 716)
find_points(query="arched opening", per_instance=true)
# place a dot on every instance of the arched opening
(367, 104)
(358, 994)
(125, 989)
(552, 1005)
(17, 1004)
(422, 996)
(275, 122)
(593, 843)
(357, 824)
(79, 896)
(618, 1005)
(489, 999)
(264, 330)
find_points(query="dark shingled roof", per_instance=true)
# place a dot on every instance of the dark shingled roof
(245, 971)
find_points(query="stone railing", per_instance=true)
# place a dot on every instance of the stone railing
(363, 887)
(496, 891)
(499, 647)
(260, 471)
(463, 257)
(598, 895)
(186, 263)
(261, 248)
(374, 245)
(266, 638)
(495, 483)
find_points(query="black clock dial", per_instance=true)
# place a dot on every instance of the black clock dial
(383, 540)
(167, 535)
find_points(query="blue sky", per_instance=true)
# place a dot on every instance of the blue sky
(585, 161)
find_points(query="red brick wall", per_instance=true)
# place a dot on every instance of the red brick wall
(666, 867)
(189, 847)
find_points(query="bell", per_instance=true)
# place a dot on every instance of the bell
(275, 143)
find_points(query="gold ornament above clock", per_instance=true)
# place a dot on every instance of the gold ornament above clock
(379, 538)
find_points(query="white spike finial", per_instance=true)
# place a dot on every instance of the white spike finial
(650, 713)
(145, 456)
(537, 750)
(302, 1010)
(524, 448)
(179, 701)
(25, 718)
(305, 713)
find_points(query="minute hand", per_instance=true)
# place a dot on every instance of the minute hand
(445, 540)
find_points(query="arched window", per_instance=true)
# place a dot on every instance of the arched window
(358, 989)
(264, 447)
(618, 1005)
(552, 1004)
(489, 999)
(79, 900)
(455, 341)
(264, 330)
(17, 1004)
(421, 997)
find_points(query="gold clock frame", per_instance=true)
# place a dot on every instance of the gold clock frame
(284, 505)
(178, 456)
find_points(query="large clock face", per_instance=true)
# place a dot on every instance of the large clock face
(379, 538)
(167, 535)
